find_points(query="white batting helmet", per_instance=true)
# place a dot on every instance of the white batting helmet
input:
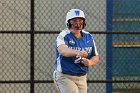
(73, 13)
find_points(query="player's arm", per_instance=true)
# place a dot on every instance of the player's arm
(68, 52)
(91, 62)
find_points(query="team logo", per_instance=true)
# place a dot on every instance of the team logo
(77, 13)
(72, 42)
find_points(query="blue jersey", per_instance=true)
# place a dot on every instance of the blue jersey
(67, 65)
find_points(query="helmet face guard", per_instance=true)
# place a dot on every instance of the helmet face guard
(74, 13)
(69, 24)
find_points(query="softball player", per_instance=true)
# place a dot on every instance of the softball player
(75, 52)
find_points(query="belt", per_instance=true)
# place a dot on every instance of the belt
(75, 74)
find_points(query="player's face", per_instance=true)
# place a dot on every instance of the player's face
(76, 24)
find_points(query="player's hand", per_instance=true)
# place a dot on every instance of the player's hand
(87, 62)
(82, 54)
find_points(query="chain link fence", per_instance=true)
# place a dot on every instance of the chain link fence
(28, 29)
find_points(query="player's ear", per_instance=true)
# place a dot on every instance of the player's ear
(84, 25)
(68, 24)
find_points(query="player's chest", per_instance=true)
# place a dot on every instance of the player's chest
(84, 42)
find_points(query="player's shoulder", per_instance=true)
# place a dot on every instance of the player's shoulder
(64, 32)
(86, 32)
